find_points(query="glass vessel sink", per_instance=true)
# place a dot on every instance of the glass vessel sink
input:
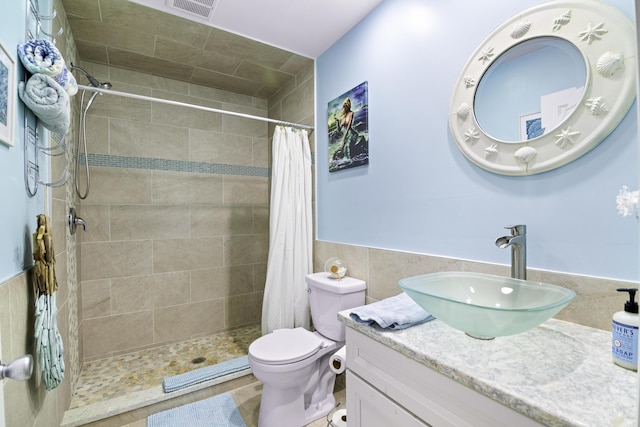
(486, 306)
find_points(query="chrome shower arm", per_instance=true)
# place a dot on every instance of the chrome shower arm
(94, 82)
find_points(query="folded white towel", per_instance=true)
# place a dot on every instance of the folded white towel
(398, 312)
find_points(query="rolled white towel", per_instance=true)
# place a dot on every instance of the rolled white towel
(41, 56)
(48, 101)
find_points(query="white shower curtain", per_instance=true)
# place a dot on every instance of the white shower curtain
(286, 303)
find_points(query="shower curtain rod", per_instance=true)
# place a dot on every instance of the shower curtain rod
(197, 107)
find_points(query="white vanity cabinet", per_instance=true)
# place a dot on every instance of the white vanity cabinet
(558, 374)
(367, 406)
(386, 388)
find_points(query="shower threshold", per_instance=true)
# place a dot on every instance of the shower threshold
(130, 386)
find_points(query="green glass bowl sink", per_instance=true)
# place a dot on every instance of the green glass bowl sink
(486, 306)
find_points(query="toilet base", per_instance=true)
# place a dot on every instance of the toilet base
(320, 393)
(286, 409)
(319, 410)
(298, 406)
(281, 408)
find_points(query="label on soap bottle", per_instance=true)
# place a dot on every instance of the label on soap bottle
(624, 343)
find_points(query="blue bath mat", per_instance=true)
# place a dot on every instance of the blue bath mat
(207, 373)
(217, 411)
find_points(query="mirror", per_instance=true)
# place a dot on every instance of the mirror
(581, 58)
(530, 89)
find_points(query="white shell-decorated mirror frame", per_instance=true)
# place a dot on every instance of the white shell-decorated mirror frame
(606, 39)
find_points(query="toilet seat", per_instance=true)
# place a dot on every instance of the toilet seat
(284, 346)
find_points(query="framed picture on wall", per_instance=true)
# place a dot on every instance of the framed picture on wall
(531, 126)
(348, 122)
(7, 96)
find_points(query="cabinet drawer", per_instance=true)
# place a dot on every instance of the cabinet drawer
(367, 407)
(431, 396)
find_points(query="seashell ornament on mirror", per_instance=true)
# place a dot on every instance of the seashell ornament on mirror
(561, 20)
(463, 111)
(520, 29)
(336, 268)
(491, 152)
(610, 63)
(526, 154)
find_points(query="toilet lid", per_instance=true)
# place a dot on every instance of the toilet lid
(285, 346)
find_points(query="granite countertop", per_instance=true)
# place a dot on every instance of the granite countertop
(559, 373)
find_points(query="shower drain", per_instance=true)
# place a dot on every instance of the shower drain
(198, 360)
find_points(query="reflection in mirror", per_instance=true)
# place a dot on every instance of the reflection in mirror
(530, 89)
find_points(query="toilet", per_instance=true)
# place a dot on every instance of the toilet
(293, 364)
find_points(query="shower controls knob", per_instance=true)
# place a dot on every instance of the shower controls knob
(74, 221)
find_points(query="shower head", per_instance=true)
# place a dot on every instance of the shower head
(105, 85)
(92, 80)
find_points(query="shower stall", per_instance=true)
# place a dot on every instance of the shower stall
(177, 215)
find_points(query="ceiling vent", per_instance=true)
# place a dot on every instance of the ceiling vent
(202, 9)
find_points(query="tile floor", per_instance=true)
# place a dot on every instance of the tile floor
(248, 400)
(116, 376)
(110, 378)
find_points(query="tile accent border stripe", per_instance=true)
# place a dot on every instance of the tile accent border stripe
(111, 161)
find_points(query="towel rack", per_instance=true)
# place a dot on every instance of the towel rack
(32, 150)
(35, 29)
(34, 22)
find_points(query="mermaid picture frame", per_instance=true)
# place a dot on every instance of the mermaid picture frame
(348, 127)
(7, 96)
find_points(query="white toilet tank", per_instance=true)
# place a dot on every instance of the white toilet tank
(329, 296)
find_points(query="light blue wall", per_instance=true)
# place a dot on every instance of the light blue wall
(18, 211)
(420, 194)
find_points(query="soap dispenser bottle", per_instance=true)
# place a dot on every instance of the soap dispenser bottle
(624, 340)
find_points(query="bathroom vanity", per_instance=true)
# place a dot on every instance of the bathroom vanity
(557, 374)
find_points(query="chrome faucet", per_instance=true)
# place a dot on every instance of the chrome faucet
(518, 243)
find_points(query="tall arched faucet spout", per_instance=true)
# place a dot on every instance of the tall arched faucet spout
(518, 243)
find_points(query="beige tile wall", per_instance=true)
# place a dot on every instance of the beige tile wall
(169, 255)
(596, 298)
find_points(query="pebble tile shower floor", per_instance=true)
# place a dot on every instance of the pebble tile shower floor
(119, 375)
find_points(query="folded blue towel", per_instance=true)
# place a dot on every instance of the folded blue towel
(398, 312)
(204, 374)
(48, 100)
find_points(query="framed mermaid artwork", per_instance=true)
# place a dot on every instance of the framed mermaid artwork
(7, 96)
(348, 126)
